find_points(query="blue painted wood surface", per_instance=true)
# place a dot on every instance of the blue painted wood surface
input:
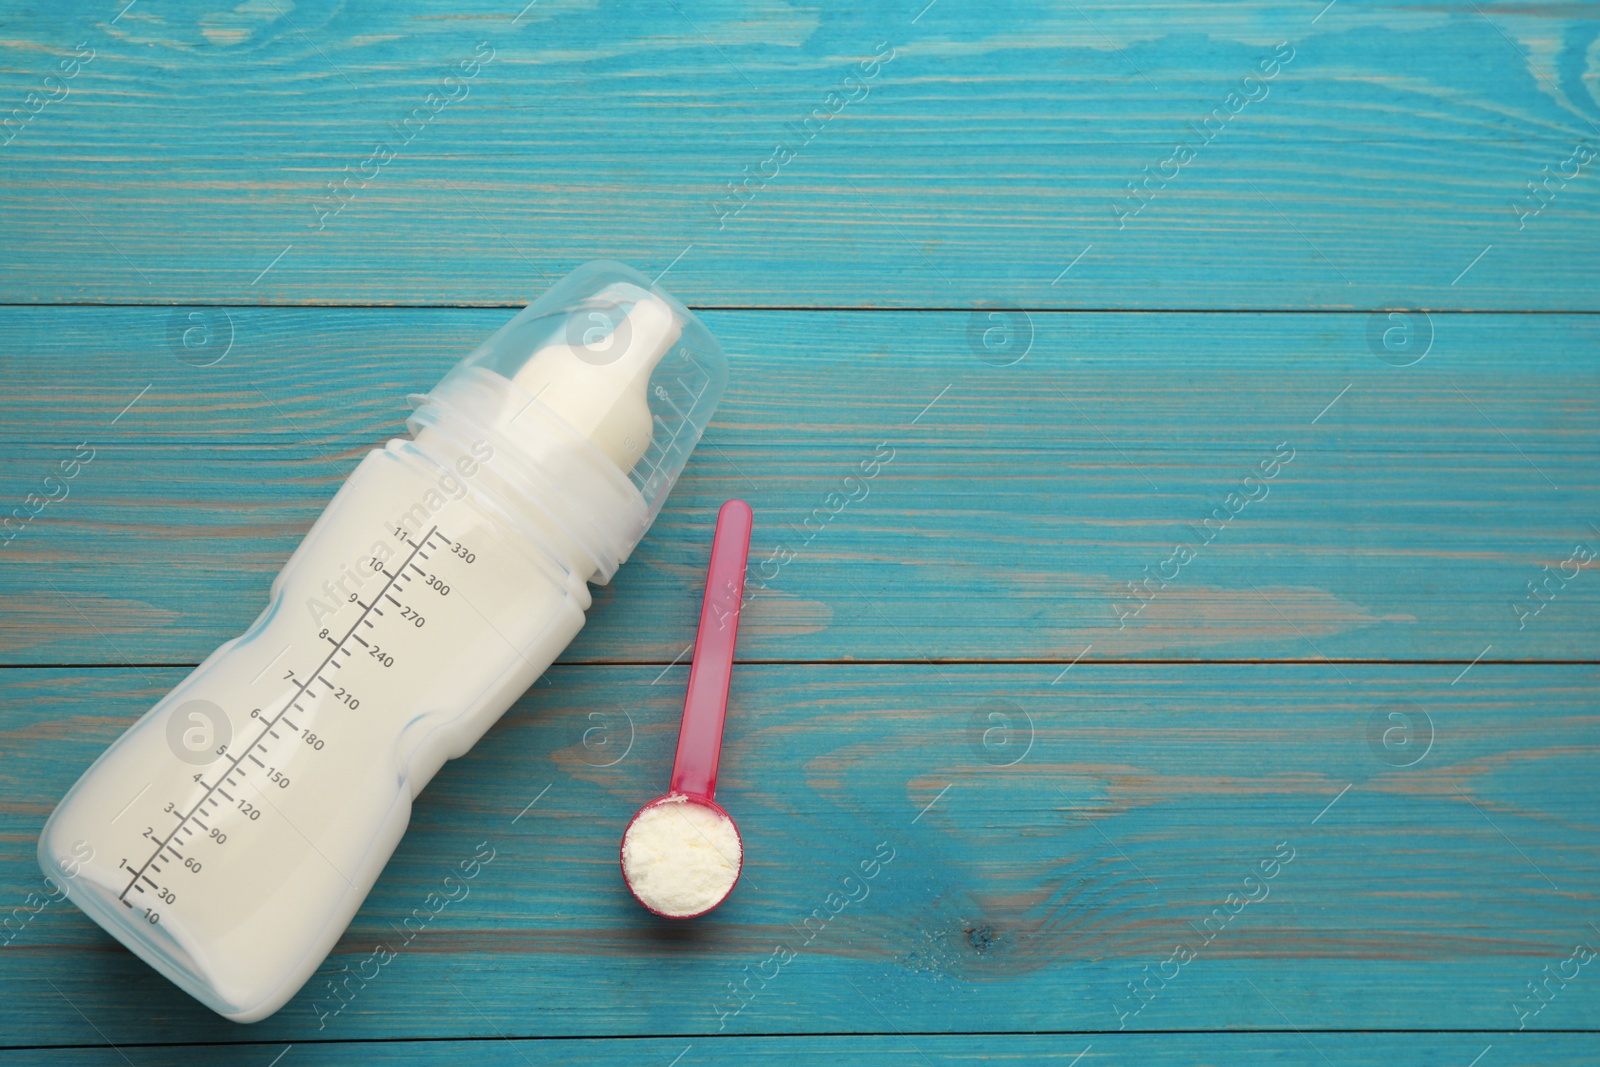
(1370, 170)
(1008, 522)
(1047, 842)
(1250, 1050)
(1075, 747)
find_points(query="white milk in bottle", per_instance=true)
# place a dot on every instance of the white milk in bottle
(236, 827)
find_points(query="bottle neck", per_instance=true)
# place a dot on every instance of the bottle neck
(545, 479)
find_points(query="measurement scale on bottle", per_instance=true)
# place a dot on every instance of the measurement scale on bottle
(664, 432)
(236, 766)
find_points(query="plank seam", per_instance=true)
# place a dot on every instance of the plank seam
(954, 663)
(780, 1035)
(876, 308)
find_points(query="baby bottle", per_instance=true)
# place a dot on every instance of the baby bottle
(230, 835)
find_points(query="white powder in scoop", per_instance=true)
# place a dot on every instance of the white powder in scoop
(681, 858)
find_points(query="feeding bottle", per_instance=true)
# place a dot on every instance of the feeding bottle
(229, 836)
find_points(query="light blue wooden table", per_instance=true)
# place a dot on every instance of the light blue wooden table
(1233, 366)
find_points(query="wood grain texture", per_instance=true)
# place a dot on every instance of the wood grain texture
(1352, 668)
(1045, 842)
(920, 1050)
(1014, 514)
(1376, 168)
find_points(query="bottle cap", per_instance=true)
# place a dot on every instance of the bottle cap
(622, 363)
(591, 398)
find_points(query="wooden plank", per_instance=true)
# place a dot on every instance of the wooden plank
(1097, 1050)
(1018, 507)
(1380, 166)
(1040, 859)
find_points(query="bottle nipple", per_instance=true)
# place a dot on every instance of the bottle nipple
(595, 377)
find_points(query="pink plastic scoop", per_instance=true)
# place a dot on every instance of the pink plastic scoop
(681, 853)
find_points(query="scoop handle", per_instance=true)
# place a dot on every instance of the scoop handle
(694, 770)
